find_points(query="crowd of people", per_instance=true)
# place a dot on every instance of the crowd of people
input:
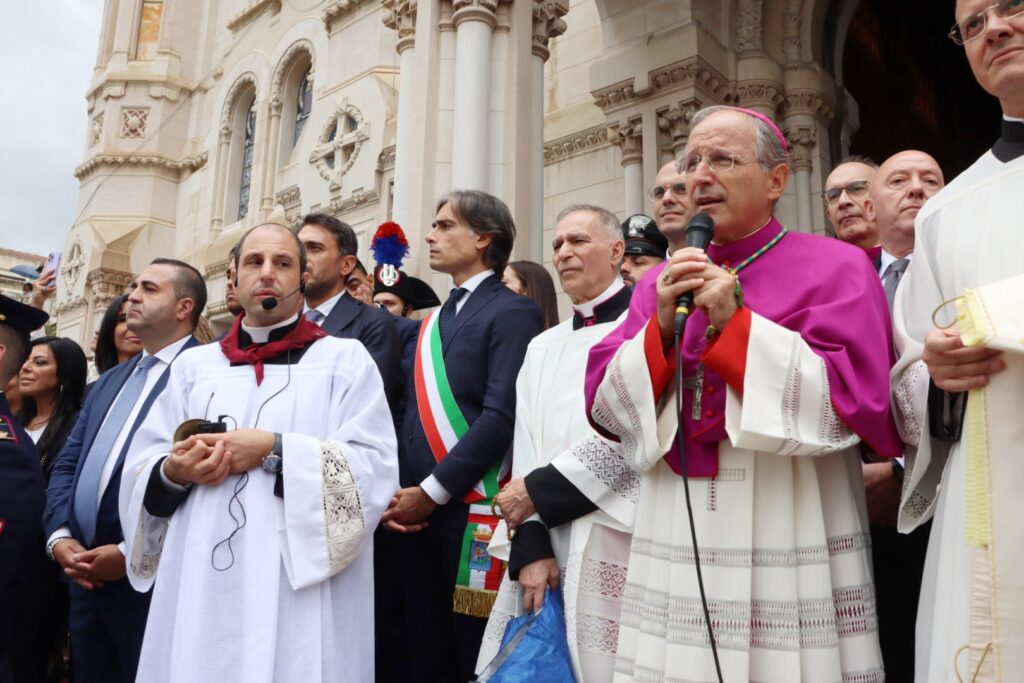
(769, 456)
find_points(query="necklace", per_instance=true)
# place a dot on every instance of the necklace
(757, 254)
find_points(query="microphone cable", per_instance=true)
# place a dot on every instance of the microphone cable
(680, 443)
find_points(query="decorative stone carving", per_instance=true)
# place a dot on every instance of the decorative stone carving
(675, 121)
(246, 80)
(133, 123)
(106, 284)
(475, 10)
(289, 196)
(758, 94)
(547, 23)
(748, 26)
(693, 72)
(577, 143)
(184, 166)
(276, 84)
(358, 197)
(629, 138)
(97, 130)
(400, 16)
(337, 10)
(71, 265)
(808, 102)
(386, 159)
(339, 143)
(255, 9)
(791, 22)
(216, 269)
(801, 141)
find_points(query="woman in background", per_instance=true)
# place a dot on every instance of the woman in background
(52, 382)
(533, 280)
(116, 343)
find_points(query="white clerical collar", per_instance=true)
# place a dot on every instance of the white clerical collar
(885, 259)
(325, 307)
(260, 335)
(1013, 119)
(586, 309)
(167, 354)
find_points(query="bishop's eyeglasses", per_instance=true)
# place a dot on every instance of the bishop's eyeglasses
(717, 162)
(855, 190)
(974, 25)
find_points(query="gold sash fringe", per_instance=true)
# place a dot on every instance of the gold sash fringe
(473, 602)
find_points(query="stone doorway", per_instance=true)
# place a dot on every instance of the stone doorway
(907, 85)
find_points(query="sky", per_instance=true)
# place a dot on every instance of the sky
(47, 54)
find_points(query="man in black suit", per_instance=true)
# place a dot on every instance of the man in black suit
(331, 251)
(451, 456)
(108, 617)
(21, 478)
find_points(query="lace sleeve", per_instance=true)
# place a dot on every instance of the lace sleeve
(343, 512)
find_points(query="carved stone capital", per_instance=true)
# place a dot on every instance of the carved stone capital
(105, 285)
(547, 23)
(400, 16)
(748, 28)
(576, 143)
(475, 10)
(807, 102)
(629, 138)
(802, 140)
(759, 94)
(676, 122)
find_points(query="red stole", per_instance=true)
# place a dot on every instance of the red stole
(302, 334)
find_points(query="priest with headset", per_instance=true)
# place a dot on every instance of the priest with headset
(250, 493)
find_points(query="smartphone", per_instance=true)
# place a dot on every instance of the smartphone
(53, 262)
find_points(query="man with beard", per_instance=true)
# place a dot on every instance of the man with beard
(331, 250)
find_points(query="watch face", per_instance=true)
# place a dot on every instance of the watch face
(272, 463)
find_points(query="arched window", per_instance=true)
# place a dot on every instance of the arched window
(304, 103)
(247, 152)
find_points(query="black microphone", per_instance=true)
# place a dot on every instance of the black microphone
(698, 234)
(270, 303)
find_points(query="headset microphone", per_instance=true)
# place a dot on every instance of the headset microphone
(270, 303)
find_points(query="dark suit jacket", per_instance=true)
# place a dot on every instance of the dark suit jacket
(68, 466)
(21, 507)
(408, 332)
(483, 351)
(374, 327)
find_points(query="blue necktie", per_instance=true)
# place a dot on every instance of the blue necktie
(448, 311)
(88, 490)
(314, 316)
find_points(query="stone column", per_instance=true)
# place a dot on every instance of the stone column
(220, 181)
(273, 149)
(628, 138)
(801, 141)
(547, 23)
(401, 16)
(474, 22)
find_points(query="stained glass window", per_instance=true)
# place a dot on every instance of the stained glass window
(304, 104)
(250, 136)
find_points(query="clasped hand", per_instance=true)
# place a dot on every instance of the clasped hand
(210, 458)
(955, 367)
(515, 503)
(408, 510)
(89, 568)
(714, 290)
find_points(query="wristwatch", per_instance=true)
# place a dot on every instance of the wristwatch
(272, 462)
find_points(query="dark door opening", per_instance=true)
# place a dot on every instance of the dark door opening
(912, 85)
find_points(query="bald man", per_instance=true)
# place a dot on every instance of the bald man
(850, 209)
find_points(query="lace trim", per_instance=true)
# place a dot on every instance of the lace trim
(832, 431)
(143, 564)
(604, 460)
(855, 610)
(597, 634)
(791, 402)
(602, 578)
(344, 525)
(917, 504)
(903, 395)
(604, 413)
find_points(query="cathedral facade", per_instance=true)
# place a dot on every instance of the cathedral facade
(210, 116)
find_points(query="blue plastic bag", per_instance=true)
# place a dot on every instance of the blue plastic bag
(534, 648)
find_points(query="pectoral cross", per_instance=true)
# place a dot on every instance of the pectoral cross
(696, 385)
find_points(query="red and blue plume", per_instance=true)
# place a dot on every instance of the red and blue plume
(389, 245)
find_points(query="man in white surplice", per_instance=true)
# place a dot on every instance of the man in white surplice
(257, 541)
(970, 621)
(551, 424)
(785, 369)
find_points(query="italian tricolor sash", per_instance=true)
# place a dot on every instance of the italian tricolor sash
(443, 424)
